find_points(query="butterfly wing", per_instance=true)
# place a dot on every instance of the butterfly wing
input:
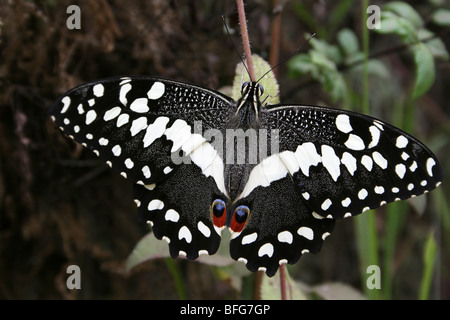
(330, 164)
(349, 162)
(180, 213)
(146, 129)
(280, 228)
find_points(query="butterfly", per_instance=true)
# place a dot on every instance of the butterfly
(277, 176)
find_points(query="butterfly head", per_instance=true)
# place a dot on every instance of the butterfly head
(249, 104)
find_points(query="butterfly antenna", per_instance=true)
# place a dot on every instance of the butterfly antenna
(288, 57)
(234, 45)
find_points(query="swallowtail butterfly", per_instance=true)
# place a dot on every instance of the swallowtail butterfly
(278, 176)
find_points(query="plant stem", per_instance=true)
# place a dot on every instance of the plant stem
(274, 54)
(283, 281)
(177, 279)
(245, 39)
(365, 224)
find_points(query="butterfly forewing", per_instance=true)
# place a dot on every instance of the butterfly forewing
(345, 163)
(136, 124)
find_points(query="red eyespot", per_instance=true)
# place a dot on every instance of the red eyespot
(239, 219)
(219, 212)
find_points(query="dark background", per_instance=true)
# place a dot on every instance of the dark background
(59, 205)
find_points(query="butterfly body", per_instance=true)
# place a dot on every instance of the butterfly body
(277, 176)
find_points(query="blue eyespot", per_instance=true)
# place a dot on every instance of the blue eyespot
(218, 208)
(241, 214)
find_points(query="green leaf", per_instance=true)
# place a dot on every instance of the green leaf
(391, 23)
(269, 82)
(337, 291)
(149, 248)
(329, 51)
(429, 258)
(425, 70)
(146, 249)
(436, 45)
(271, 288)
(322, 69)
(404, 10)
(301, 65)
(348, 42)
(441, 17)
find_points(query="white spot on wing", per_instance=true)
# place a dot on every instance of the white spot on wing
(138, 125)
(379, 160)
(306, 232)
(155, 204)
(98, 90)
(250, 238)
(326, 204)
(290, 161)
(266, 249)
(116, 150)
(155, 130)
(172, 215)
(66, 103)
(185, 234)
(129, 163)
(285, 236)
(343, 123)
(375, 132)
(349, 161)
(156, 91)
(354, 142)
(122, 120)
(80, 109)
(146, 172)
(331, 162)
(103, 141)
(346, 202)
(140, 105)
(401, 142)
(178, 133)
(167, 170)
(367, 162)
(362, 194)
(111, 113)
(123, 93)
(307, 156)
(400, 170)
(204, 229)
(379, 190)
(430, 163)
(90, 116)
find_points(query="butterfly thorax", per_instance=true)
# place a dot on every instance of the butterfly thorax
(249, 106)
(242, 139)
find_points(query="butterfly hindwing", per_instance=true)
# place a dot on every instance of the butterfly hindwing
(180, 213)
(280, 228)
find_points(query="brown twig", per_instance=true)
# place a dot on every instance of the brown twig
(274, 54)
(283, 282)
(245, 39)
